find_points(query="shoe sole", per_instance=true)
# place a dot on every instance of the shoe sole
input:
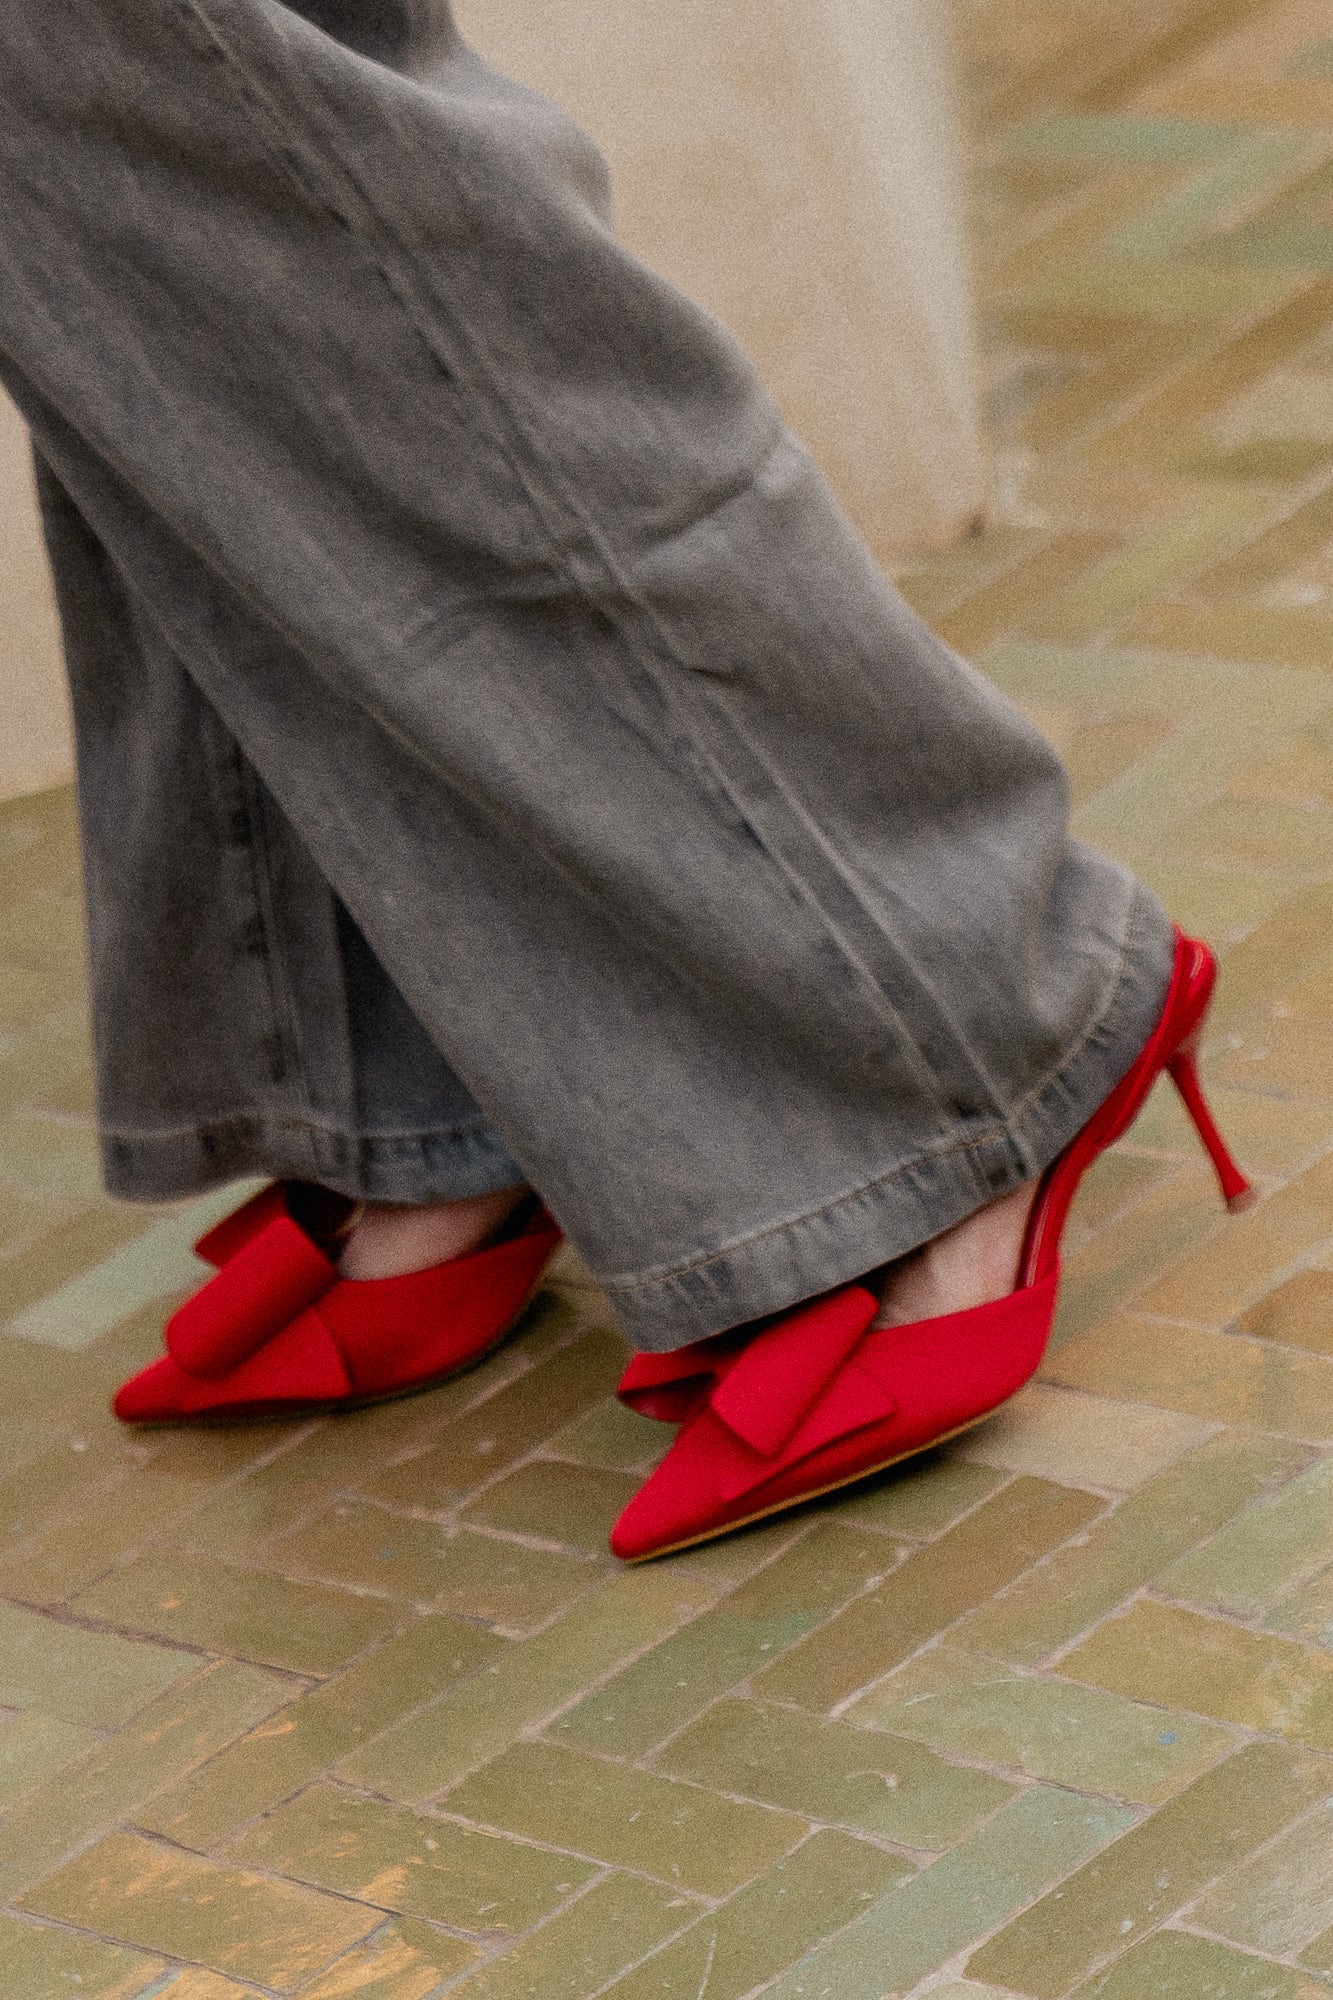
(817, 1493)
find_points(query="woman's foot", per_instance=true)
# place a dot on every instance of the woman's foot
(852, 1383)
(969, 1265)
(280, 1331)
(387, 1241)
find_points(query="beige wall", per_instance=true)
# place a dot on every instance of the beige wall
(34, 718)
(794, 164)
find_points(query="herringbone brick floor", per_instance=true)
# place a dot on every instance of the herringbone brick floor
(363, 1711)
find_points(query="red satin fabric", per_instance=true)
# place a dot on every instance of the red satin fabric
(762, 1389)
(895, 1391)
(261, 1288)
(278, 1332)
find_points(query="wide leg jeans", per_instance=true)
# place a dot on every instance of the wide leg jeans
(499, 759)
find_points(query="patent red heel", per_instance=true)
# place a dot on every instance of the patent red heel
(1173, 1048)
(1183, 1069)
(820, 1396)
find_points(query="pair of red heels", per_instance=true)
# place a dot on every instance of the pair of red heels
(816, 1398)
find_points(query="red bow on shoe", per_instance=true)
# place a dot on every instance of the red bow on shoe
(280, 1332)
(786, 1392)
(257, 1293)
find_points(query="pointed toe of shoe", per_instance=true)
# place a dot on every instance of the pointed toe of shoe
(627, 1539)
(162, 1393)
(655, 1520)
(685, 1500)
(654, 1528)
(299, 1370)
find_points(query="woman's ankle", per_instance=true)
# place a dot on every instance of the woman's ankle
(969, 1265)
(387, 1241)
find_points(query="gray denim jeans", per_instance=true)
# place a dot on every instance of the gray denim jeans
(498, 756)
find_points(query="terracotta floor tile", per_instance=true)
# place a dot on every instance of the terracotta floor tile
(411, 1862)
(504, 1426)
(1152, 1870)
(113, 1783)
(695, 1840)
(811, 1894)
(616, 1923)
(1172, 1962)
(1295, 1315)
(80, 1675)
(1281, 1899)
(1251, 632)
(574, 1505)
(311, 1731)
(162, 1899)
(1081, 1440)
(967, 1706)
(1180, 1213)
(1050, 1605)
(1223, 1377)
(988, 1548)
(1030, 1843)
(1260, 1557)
(749, 1628)
(1287, 1058)
(403, 1960)
(33, 1747)
(830, 1771)
(1272, 1137)
(249, 1614)
(39, 1959)
(521, 1686)
(1163, 1653)
(923, 1497)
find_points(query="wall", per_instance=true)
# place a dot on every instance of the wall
(796, 166)
(34, 717)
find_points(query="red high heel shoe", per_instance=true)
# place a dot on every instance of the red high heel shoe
(819, 1397)
(279, 1333)
(218, 1245)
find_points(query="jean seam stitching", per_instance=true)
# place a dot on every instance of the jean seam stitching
(144, 1136)
(241, 777)
(286, 1014)
(556, 510)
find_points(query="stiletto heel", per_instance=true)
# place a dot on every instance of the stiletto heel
(1183, 1068)
(820, 1396)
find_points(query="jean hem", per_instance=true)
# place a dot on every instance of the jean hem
(412, 1168)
